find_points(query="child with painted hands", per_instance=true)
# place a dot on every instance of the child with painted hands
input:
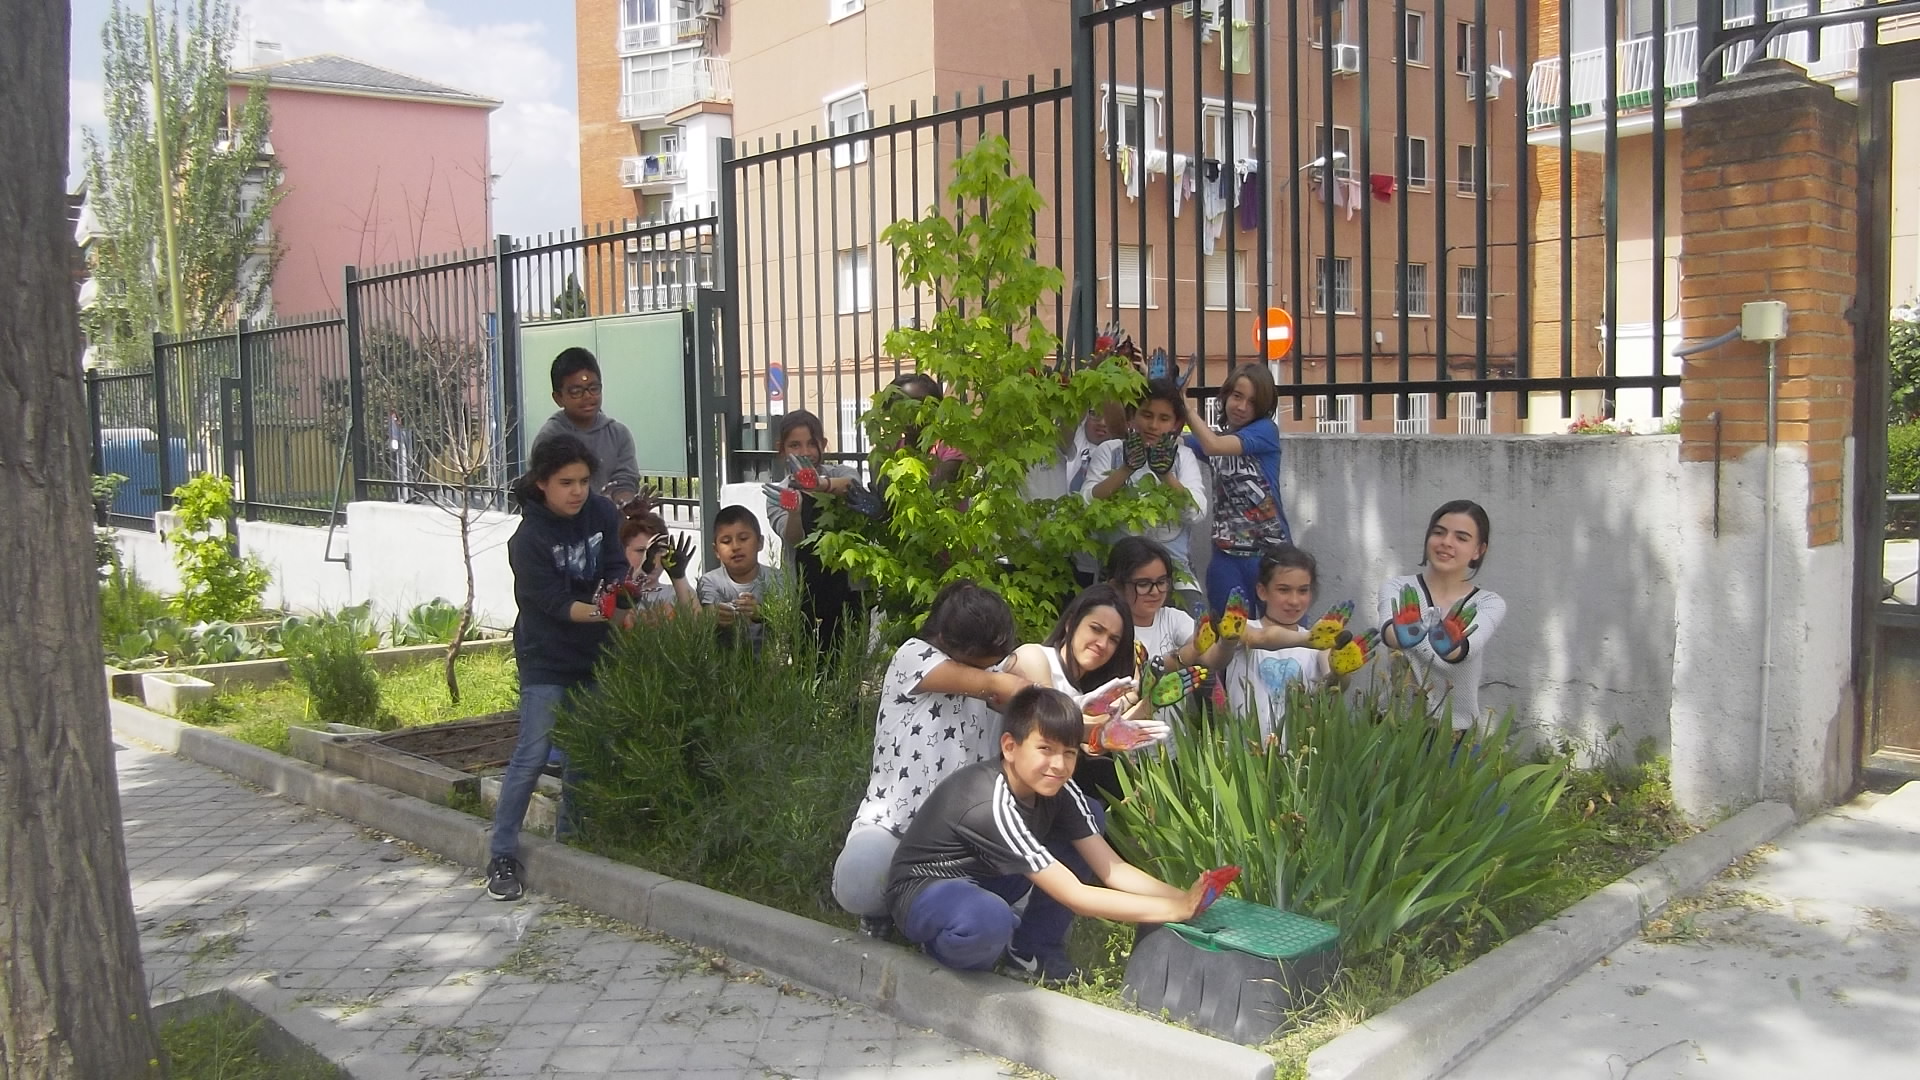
(1440, 620)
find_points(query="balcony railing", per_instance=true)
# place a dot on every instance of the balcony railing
(706, 79)
(1586, 72)
(644, 169)
(667, 34)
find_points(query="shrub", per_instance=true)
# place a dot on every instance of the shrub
(126, 607)
(216, 582)
(1903, 475)
(328, 658)
(1903, 362)
(1369, 819)
(432, 623)
(705, 761)
(1005, 409)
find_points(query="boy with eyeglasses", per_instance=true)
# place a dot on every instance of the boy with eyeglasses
(577, 390)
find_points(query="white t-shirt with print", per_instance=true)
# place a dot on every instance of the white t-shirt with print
(1171, 628)
(1258, 679)
(919, 739)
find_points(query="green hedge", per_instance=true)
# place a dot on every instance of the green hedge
(1903, 476)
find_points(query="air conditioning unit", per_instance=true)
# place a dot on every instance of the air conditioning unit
(1487, 82)
(708, 9)
(1346, 59)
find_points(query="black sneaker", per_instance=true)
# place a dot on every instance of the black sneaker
(1045, 969)
(503, 878)
(878, 927)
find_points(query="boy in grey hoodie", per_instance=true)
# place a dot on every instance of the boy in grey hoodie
(576, 389)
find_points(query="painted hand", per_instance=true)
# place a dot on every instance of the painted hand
(1133, 450)
(1324, 633)
(1204, 637)
(862, 501)
(1352, 653)
(1408, 627)
(1125, 734)
(789, 500)
(804, 475)
(1214, 883)
(1233, 620)
(1448, 633)
(1169, 687)
(1161, 455)
(677, 558)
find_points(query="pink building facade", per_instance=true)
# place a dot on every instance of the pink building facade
(378, 167)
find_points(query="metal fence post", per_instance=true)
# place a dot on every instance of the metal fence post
(1082, 314)
(356, 386)
(249, 474)
(727, 268)
(507, 326)
(163, 442)
(93, 422)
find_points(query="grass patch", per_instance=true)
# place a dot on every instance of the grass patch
(227, 1045)
(415, 695)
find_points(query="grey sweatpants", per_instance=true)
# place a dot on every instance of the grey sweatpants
(860, 873)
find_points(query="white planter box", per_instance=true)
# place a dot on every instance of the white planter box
(170, 692)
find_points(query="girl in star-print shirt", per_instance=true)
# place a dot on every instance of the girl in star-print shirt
(936, 716)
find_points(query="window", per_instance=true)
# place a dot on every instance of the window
(1343, 163)
(1410, 290)
(1334, 21)
(853, 429)
(840, 9)
(1469, 291)
(649, 82)
(1679, 13)
(853, 284)
(638, 12)
(1419, 170)
(1135, 262)
(1217, 285)
(1416, 37)
(1128, 119)
(1466, 47)
(1213, 138)
(1341, 285)
(847, 114)
(1475, 412)
(1336, 414)
(1419, 414)
(1469, 162)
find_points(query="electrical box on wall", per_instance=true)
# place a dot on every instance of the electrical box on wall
(1763, 320)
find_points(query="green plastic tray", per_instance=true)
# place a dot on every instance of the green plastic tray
(1257, 930)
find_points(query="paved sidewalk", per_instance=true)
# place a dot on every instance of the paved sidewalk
(1805, 968)
(410, 961)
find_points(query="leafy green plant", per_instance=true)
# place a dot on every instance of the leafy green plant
(327, 657)
(717, 764)
(1596, 425)
(1903, 475)
(216, 582)
(229, 1044)
(1903, 363)
(1369, 818)
(126, 606)
(1007, 405)
(432, 623)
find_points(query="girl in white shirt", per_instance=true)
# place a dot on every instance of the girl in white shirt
(1439, 620)
(1275, 657)
(1143, 571)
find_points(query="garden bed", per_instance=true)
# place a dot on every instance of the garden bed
(219, 1036)
(272, 670)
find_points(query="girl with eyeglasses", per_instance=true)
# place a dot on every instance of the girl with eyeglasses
(1143, 572)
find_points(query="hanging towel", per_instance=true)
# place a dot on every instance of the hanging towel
(1350, 187)
(1250, 201)
(1382, 184)
(1237, 47)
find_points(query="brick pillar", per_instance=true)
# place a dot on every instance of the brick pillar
(1767, 201)
(1768, 188)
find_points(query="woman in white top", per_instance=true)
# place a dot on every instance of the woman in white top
(1439, 620)
(1090, 646)
(1143, 572)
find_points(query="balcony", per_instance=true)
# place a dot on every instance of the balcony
(1586, 72)
(653, 170)
(667, 34)
(706, 79)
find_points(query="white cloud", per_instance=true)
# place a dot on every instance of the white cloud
(534, 134)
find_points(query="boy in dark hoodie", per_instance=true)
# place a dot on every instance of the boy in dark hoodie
(577, 390)
(566, 548)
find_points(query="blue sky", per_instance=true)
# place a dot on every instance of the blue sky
(519, 52)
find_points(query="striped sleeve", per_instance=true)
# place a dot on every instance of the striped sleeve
(1078, 819)
(999, 837)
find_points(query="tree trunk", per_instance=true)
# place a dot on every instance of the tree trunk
(466, 609)
(73, 999)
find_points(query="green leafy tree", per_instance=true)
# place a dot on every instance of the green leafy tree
(1903, 360)
(216, 583)
(1009, 404)
(218, 183)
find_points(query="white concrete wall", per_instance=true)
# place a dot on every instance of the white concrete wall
(303, 578)
(1716, 706)
(1584, 550)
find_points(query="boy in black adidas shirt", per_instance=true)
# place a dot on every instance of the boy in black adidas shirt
(980, 842)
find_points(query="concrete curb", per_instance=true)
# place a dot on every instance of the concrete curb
(1428, 1033)
(1066, 1037)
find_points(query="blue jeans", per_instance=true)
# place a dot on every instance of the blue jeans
(967, 924)
(1226, 573)
(538, 704)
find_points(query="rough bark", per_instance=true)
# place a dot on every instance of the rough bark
(73, 1002)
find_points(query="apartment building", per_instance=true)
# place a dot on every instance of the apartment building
(817, 280)
(1647, 247)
